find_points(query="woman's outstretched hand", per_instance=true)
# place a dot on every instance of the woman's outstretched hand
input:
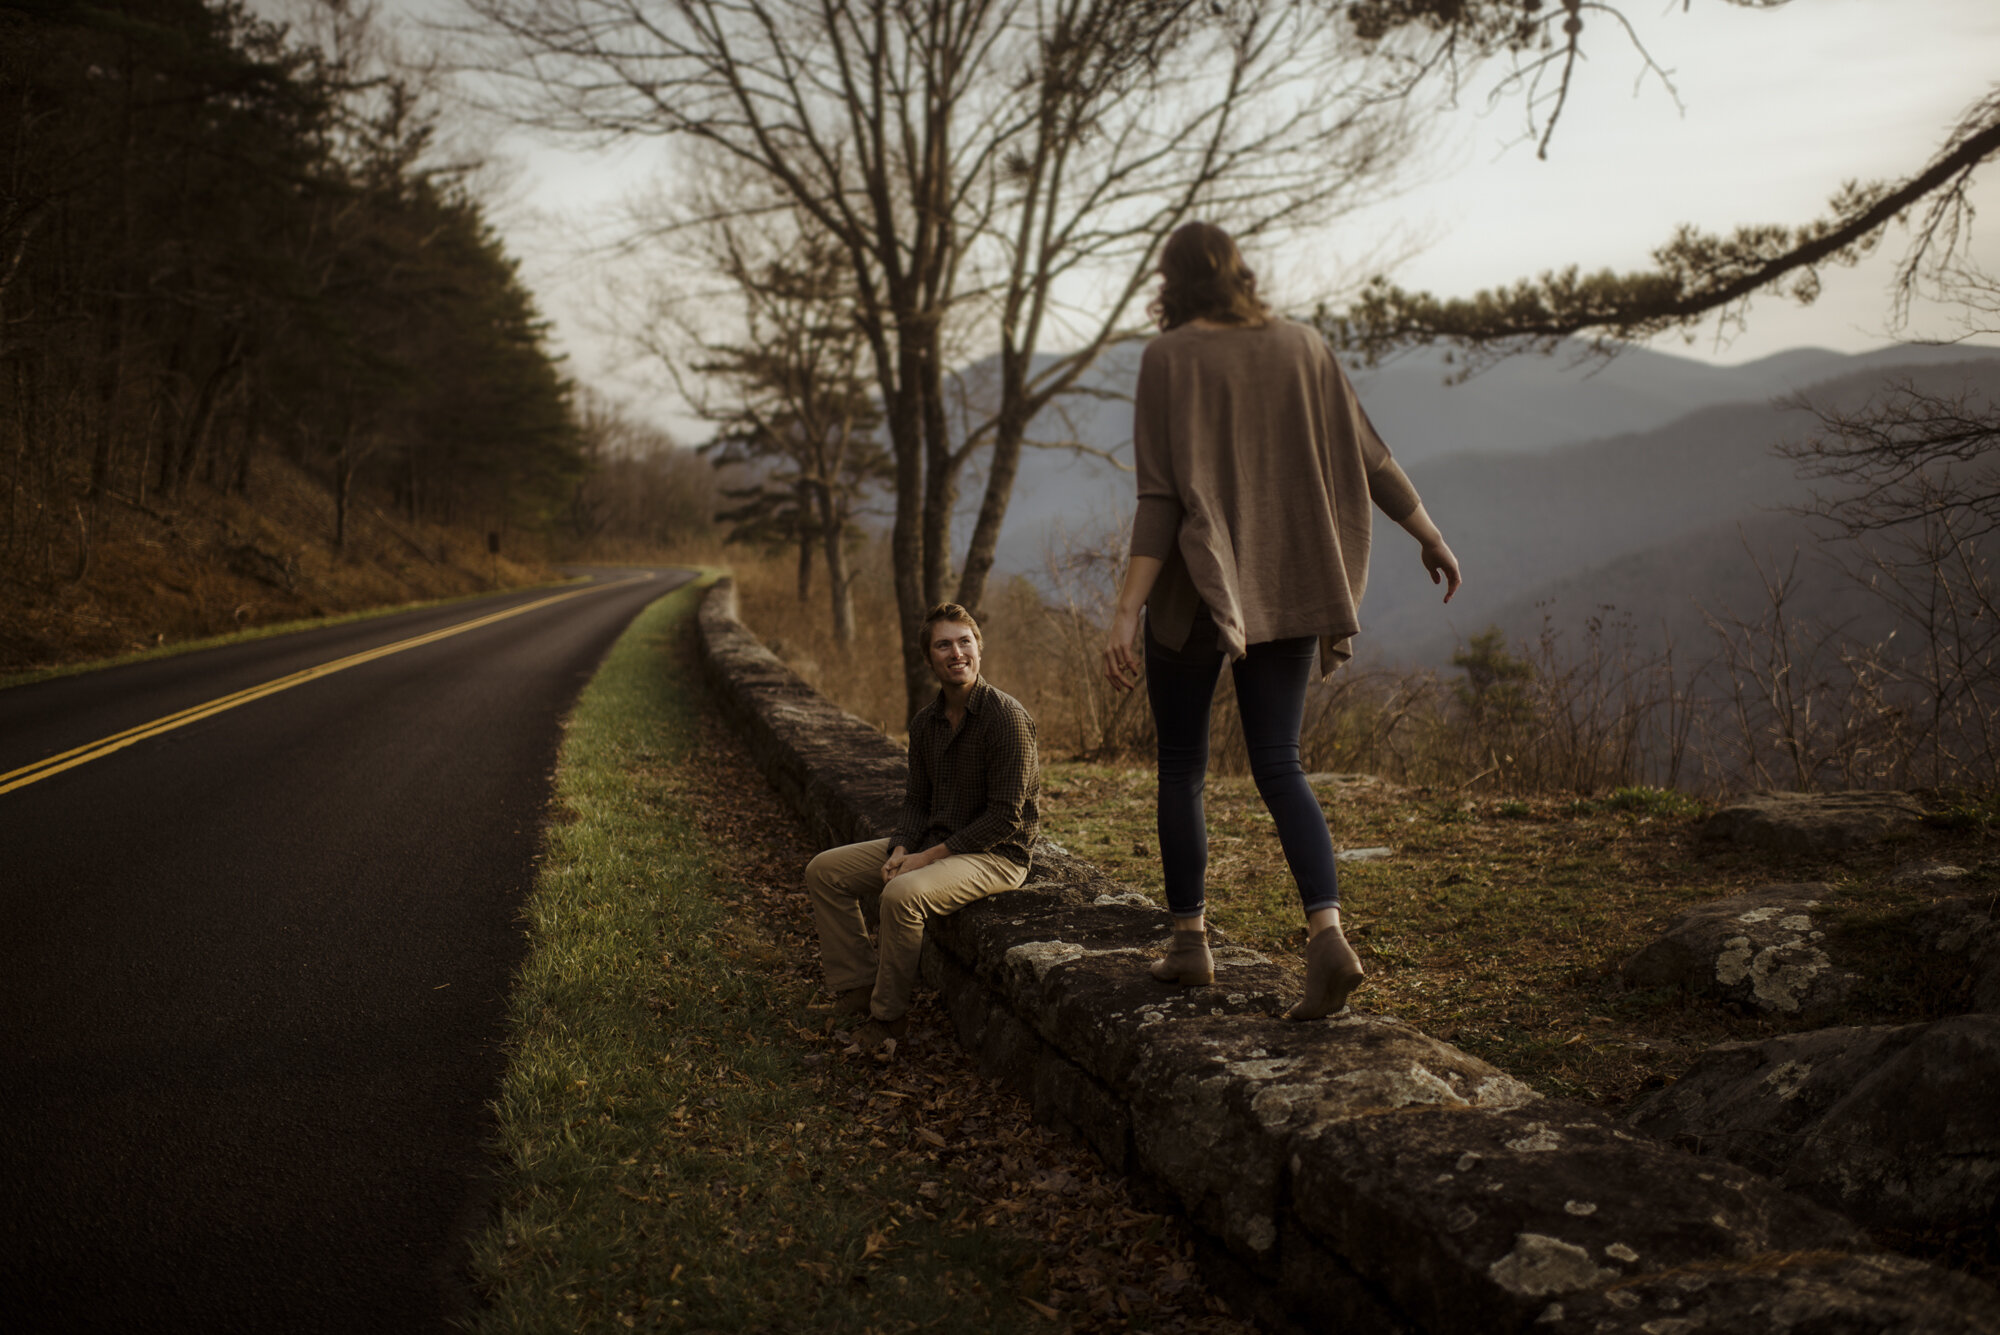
(1443, 566)
(1121, 661)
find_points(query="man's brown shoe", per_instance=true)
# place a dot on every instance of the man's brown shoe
(880, 1038)
(854, 1001)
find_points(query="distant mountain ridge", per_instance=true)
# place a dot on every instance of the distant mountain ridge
(1571, 470)
(1534, 403)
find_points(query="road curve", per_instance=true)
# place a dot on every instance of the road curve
(253, 969)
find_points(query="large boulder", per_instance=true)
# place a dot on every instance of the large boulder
(1810, 1294)
(1763, 951)
(1964, 932)
(1474, 1220)
(1896, 1126)
(1814, 825)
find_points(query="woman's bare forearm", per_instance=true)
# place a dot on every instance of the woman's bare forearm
(1140, 576)
(1419, 525)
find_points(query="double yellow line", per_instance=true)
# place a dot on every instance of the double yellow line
(118, 741)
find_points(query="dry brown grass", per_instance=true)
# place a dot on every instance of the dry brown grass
(1497, 925)
(1513, 890)
(223, 563)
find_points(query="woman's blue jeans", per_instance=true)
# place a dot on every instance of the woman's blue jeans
(1270, 697)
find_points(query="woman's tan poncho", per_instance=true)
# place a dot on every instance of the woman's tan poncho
(1256, 469)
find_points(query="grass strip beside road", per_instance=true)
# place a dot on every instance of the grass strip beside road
(680, 1149)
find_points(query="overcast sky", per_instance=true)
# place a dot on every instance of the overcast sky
(1777, 108)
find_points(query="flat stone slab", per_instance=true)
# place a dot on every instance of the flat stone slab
(1897, 1126)
(1762, 951)
(1814, 825)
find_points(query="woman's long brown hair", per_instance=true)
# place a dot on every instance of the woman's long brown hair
(1203, 277)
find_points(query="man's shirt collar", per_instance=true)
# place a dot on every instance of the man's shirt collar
(973, 698)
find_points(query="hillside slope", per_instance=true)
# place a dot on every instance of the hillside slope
(222, 563)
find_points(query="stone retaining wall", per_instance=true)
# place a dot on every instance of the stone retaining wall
(1353, 1173)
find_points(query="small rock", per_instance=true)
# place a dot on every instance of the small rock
(1929, 871)
(1762, 950)
(1364, 854)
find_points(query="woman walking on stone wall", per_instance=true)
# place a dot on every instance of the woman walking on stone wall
(1256, 470)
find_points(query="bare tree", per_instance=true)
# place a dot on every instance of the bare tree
(996, 174)
(795, 399)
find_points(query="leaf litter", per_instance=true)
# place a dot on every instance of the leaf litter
(1103, 1262)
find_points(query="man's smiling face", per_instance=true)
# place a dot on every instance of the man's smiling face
(954, 651)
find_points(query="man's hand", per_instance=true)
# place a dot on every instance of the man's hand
(900, 863)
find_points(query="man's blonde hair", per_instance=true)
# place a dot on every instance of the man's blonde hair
(951, 612)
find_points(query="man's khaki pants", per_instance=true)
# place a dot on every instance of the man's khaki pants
(837, 879)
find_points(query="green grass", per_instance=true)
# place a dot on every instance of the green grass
(255, 633)
(679, 1152)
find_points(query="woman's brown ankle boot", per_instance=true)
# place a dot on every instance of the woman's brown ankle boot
(1332, 971)
(1188, 961)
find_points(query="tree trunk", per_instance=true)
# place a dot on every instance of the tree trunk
(840, 581)
(83, 545)
(343, 479)
(1009, 433)
(195, 439)
(165, 435)
(111, 374)
(803, 492)
(906, 542)
(940, 483)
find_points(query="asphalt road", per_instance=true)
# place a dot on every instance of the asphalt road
(253, 970)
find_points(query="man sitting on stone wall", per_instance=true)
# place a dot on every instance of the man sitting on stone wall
(969, 818)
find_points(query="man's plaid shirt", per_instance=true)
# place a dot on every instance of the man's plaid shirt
(976, 789)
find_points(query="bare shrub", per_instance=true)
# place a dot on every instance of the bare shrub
(1781, 701)
(859, 677)
(1937, 576)
(1799, 706)
(1079, 712)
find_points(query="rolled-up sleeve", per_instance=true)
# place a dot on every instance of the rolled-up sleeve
(1388, 486)
(1391, 490)
(1013, 772)
(1156, 525)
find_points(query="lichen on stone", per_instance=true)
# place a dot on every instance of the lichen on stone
(1539, 1140)
(1540, 1264)
(1788, 1079)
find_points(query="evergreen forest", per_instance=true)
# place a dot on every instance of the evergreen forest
(222, 245)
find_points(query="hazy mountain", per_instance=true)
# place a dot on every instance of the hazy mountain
(1532, 403)
(1547, 501)
(1647, 522)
